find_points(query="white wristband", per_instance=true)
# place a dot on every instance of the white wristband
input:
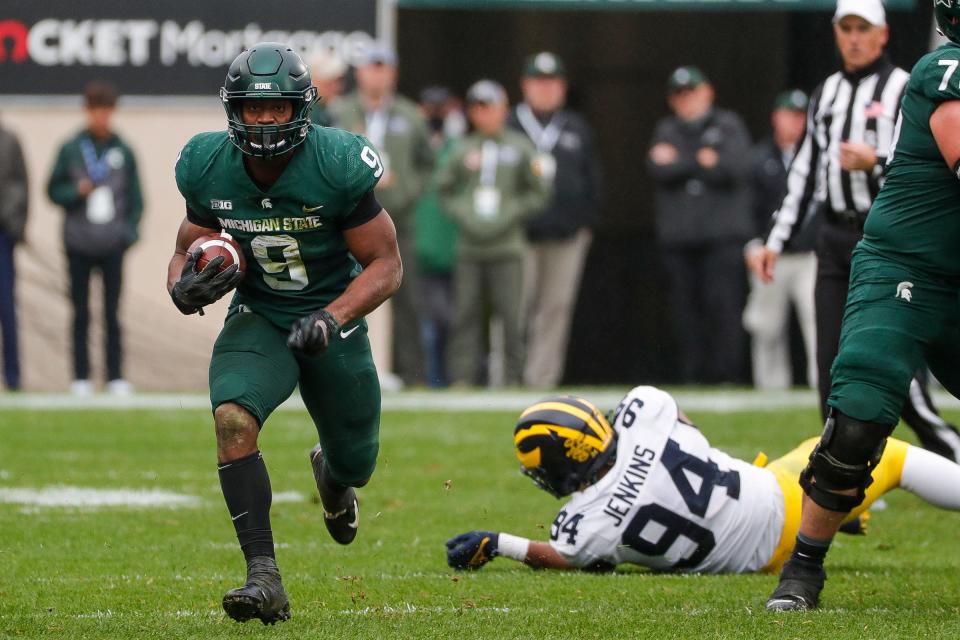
(513, 547)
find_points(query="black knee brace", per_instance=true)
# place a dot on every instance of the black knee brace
(844, 459)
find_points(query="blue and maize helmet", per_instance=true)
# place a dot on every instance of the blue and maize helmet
(563, 443)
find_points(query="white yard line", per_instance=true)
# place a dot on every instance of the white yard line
(88, 497)
(726, 401)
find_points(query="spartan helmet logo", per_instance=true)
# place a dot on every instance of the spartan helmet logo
(903, 291)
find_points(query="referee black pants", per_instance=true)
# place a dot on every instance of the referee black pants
(835, 244)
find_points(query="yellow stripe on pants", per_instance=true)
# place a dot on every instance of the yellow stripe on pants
(787, 471)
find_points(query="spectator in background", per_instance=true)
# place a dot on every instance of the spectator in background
(559, 237)
(436, 237)
(394, 125)
(327, 70)
(13, 220)
(95, 181)
(767, 316)
(700, 160)
(490, 184)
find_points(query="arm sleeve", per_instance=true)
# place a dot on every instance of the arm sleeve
(366, 210)
(801, 185)
(60, 187)
(194, 218)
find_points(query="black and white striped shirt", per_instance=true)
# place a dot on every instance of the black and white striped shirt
(847, 107)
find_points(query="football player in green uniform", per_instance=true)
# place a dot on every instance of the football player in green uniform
(321, 253)
(902, 310)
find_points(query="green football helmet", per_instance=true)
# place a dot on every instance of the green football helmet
(947, 13)
(268, 70)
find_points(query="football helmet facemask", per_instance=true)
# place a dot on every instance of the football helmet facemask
(268, 70)
(563, 443)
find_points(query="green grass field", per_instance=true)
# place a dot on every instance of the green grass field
(124, 572)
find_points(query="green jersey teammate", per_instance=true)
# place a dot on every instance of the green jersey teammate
(321, 253)
(902, 310)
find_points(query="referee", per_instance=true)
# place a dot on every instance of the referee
(837, 172)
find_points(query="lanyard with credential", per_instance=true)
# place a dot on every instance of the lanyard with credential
(97, 168)
(544, 137)
(489, 152)
(377, 126)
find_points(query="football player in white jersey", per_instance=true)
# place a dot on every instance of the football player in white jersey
(650, 490)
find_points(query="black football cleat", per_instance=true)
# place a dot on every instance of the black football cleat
(261, 597)
(341, 512)
(858, 526)
(799, 588)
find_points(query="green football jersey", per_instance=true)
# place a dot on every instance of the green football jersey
(291, 234)
(915, 218)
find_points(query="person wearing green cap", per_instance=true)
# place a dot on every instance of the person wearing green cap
(767, 315)
(699, 159)
(490, 184)
(561, 234)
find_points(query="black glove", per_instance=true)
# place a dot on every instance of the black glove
(473, 549)
(193, 290)
(311, 335)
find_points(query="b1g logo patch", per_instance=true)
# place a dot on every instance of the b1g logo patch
(221, 205)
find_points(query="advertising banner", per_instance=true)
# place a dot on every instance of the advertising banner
(173, 47)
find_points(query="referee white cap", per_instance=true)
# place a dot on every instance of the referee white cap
(870, 10)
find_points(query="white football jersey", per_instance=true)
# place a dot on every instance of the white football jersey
(671, 502)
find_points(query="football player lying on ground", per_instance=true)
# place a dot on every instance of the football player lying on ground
(651, 491)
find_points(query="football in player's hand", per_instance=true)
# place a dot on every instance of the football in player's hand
(218, 244)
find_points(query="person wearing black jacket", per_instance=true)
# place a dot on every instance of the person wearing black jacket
(700, 160)
(559, 237)
(767, 316)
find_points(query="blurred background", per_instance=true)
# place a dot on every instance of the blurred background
(168, 61)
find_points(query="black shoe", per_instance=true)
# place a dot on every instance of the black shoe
(341, 512)
(262, 597)
(799, 588)
(858, 526)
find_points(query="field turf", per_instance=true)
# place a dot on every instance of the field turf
(148, 572)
